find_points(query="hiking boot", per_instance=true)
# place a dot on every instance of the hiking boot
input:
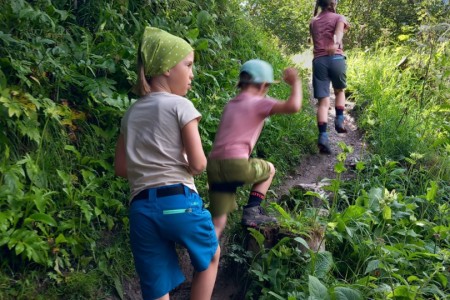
(339, 124)
(324, 145)
(255, 216)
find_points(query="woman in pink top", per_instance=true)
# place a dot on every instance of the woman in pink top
(327, 30)
(229, 163)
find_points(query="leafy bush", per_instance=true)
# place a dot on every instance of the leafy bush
(66, 74)
(403, 108)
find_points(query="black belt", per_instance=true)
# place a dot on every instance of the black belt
(163, 192)
(225, 187)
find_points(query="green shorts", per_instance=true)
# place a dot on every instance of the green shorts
(226, 175)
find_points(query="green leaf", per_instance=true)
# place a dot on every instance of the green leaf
(375, 196)
(442, 279)
(281, 210)
(118, 285)
(86, 209)
(60, 239)
(403, 37)
(402, 291)
(4, 239)
(360, 166)
(413, 278)
(353, 213)
(203, 18)
(6, 38)
(201, 44)
(340, 168)
(44, 218)
(432, 192)
(321, 264)
(192, 34)
(373, 265)
(97, 211)
(313, 194)
(258, 236)
(19, 247)
(387, 213)
(346, 293)
(317, 291)
(302, 242)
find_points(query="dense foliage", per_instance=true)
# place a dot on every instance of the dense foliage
(388, 21)
(384, 21)
(286, 19)
(67, 70)
(386, 234)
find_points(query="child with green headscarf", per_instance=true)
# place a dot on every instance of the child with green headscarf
(159, 151)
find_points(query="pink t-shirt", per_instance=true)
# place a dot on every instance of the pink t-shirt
(322, 29)
(240, 126)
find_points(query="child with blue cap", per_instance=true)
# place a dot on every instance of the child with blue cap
(229, 163)
(159, 151)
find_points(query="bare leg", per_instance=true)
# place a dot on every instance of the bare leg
(263, 187)
(340, 97)
(203, 282)
(165, 297)
(219, 224)
(322, 110)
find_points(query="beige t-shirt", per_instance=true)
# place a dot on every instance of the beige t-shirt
(154, 148)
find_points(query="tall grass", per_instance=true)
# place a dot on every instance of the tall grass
(402, 103)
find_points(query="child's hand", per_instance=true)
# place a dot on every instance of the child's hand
(290, 76)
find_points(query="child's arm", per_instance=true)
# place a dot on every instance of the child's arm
(294, 102)
(120, 160)
(193, 147)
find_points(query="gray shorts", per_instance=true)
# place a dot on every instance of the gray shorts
(328, 69)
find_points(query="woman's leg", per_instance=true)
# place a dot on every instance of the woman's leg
(340, 106)
(322, 122)
(322, 110)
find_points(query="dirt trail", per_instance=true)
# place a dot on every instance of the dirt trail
(307, 175)
(316, 167)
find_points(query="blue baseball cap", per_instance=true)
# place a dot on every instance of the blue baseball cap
(260, 71)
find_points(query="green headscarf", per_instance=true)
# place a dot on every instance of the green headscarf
(161, 51)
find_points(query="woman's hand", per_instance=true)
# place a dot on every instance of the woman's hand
(331, 50)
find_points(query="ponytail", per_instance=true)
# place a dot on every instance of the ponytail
(316, 8)
(323, 4)
(142, 86)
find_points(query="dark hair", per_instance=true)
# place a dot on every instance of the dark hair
(323, 4)
(246, 80)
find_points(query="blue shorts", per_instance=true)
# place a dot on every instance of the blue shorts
(328, 69)
(157, 223)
